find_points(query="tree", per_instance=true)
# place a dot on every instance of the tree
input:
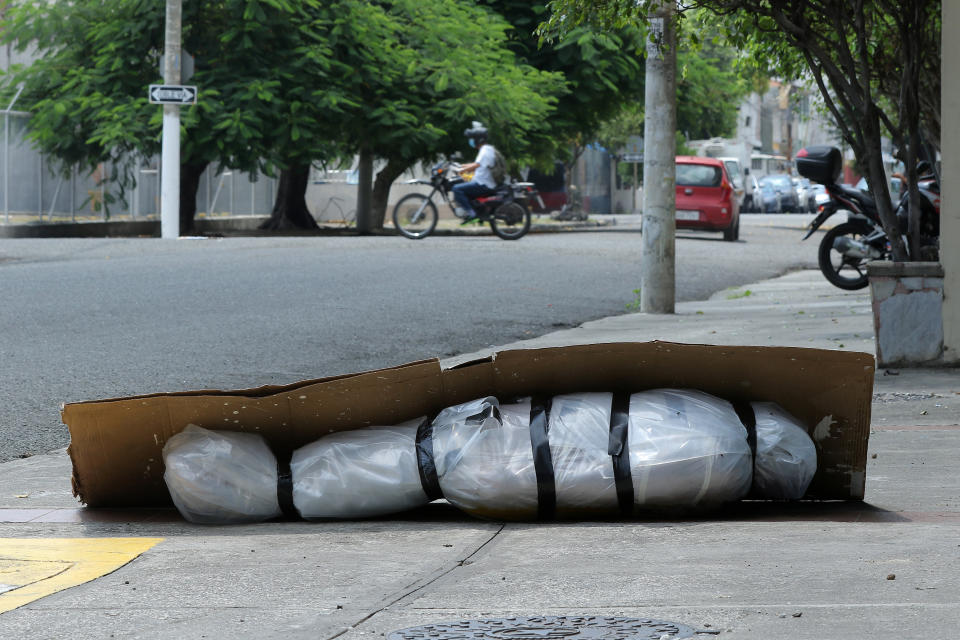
(87, 91)
(710, 82)
(869, 59)
(417, 85)
(602, 69)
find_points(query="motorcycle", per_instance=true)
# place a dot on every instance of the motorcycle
(507, 210)
(846, 248)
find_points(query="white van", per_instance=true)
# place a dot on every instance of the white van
(736, 176)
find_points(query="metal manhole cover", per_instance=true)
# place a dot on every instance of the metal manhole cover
(547, 628)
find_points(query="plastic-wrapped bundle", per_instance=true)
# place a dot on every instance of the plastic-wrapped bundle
(687, 448)
(483, 459)
(676, 448)
(786, 456)
(358, 474)
(574, 455)
(221, 477)
(579, 435)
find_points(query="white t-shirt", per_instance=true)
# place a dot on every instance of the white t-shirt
(485, 159)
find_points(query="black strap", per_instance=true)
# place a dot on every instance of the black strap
(285, 487)
(425, 464)
(619, 450)
(749, 419)
(542, 461)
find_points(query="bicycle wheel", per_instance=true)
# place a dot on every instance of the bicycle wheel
(511, 221)
(415, 216)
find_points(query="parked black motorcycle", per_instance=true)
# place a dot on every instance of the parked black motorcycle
(507, 210)
(847, 247)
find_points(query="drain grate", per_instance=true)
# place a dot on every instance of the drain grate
(548, 628)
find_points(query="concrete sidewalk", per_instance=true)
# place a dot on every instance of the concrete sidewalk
(884, 568)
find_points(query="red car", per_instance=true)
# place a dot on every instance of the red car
(705, 197)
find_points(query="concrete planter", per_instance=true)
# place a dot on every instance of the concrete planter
(907, 312)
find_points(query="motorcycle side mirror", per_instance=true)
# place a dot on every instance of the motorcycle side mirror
(457, 156)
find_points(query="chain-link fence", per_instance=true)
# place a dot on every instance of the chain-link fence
(36, 188)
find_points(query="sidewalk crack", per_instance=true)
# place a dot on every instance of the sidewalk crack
(421, 585)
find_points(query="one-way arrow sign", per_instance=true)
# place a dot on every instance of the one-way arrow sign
(172, 94)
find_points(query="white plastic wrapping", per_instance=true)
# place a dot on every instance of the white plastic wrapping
(579, 435)
(687, 448)
(358, 474)
(484, 459)
(221, 477)
(786, 456)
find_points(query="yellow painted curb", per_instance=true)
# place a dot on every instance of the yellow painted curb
(32, 568)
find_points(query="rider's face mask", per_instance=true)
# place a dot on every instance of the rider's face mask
(473, 143)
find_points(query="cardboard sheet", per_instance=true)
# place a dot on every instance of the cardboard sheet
(116, 444)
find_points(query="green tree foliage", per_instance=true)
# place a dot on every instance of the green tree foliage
(439, 66)
(87, 91)
(283, 84)
(602, 69)
(710, 82)
(876, 63)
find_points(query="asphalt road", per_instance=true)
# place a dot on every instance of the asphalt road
(87, 319)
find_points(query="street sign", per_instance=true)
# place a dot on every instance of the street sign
(172, 94)
(631, 157)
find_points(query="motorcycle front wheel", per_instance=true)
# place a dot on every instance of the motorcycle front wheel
(415, 216)
(846, 272)
(511, 221)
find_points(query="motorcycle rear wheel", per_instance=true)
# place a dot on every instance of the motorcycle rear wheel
(843, 271)
(511, 221)
(415, 216)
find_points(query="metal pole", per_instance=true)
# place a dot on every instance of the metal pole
(6, 148)
(40, 188)
(6, 167)
(103, 193)
(170, 152)
(136, 193)
(56, 194)
(73, 193)
(658, 253)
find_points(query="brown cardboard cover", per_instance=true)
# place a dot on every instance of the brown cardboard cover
(116, 444)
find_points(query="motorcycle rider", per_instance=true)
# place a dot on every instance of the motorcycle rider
(483, 182)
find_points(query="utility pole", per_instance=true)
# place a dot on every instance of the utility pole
(658, 255)
(170, 151)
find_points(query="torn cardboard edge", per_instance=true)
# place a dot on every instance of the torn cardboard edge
(116, 443)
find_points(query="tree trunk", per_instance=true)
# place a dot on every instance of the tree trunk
(364, 191)
(381, 191)
(877, 179)
(189, 183)
(290, 208)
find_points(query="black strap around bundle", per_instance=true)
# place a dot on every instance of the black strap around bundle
(749, 419)
(619, 450)
(285, 487)
(425, 462)
(542, 460)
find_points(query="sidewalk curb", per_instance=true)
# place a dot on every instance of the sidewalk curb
(246, 226)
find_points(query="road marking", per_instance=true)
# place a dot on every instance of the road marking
(32, 568)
